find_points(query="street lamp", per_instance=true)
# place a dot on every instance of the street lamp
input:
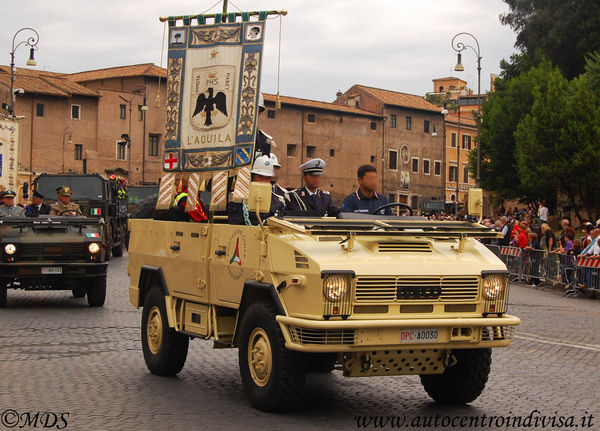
(68, 131)
(459, 47)
(134, 91)
(31, 42)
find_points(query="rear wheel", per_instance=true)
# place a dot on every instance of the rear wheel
(165, 350)
(96, 292)
(462, 382)
(273, 376)
(78, 292)
(117, 250)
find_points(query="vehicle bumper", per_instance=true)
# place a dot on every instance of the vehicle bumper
(357, 335)
(33, 270)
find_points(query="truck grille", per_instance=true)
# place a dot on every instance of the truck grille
(403, 247)
(322, 336)
(56, 251)
(400, 288)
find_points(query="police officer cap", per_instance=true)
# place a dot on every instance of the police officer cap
(9, 194)
(313, 167)
(37, 194)
(64, 191)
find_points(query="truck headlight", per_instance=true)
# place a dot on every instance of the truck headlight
(335, 286)
(94, 247)
(494, 285)
(10, 249)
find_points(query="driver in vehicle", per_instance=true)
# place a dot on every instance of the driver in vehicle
(366, 200)
(64, 206)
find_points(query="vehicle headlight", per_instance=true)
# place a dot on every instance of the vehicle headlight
(94, 247)
(494, 285)
(10, 249)
(335, 286)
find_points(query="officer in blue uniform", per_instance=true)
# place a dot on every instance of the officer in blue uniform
(37, 207)
(366, 200)
(310, 199)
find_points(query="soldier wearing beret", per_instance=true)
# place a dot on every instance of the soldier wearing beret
(309, 198)
(64, 206)
(9, 209)
(37, 207)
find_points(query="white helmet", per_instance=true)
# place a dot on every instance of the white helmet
(275, 161)
(263, 166)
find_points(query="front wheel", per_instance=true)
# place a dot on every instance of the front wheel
(3, 296)
(165, 350)
(117, 250)
(96, 292)
(463, 382)
(273, 376)
(78, 292)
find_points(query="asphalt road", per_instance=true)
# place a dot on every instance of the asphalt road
(59, 356)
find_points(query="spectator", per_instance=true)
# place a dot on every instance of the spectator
(522, 240)
(567, 244)
(576, 248)
(534, 242)
(514, 232)
(564, 224)
(548, 238)
(543, 213)
(587, 239)
(594, 234)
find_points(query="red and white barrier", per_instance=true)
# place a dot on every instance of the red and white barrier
(510, 251)
(588, 262)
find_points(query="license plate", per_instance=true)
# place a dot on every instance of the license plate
(51, 270)
(425, 335)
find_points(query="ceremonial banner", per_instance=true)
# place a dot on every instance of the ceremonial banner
(213, 77)
(9, 153)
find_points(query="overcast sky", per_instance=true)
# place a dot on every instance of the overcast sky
(326, 44)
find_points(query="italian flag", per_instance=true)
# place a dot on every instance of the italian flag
(95, 211)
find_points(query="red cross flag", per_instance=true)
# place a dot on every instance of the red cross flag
(171, 161)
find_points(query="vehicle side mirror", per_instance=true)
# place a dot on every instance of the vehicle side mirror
(259, 197)
(475, 202)
(25, 190)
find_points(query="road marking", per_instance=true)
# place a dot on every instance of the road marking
(592, 347)
(541, 337)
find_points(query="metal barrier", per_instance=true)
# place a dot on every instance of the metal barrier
(586, 278)
(512, 258)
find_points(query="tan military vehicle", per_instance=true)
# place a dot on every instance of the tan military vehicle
(366, 295)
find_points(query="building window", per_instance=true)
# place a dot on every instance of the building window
(341, 120)
(426, 126)
(393, 121)
(78, 152)
(75, 112)
(415, 165)
(121, 150)
(39, 110)
(310, 118)
(373, 125)
(414, 201)
(122, 112)
(466, 144)
(452, 173)
(331, 152)
(140, 113)
(453, 142)
(153, 142)
(437, 167)
(465, 173)
(426, 166)
(372, 159)
(393, 160)
(310, 150)
(291, 150)
(356, 104)
(271, 113)
(408, 123)
(392, 197)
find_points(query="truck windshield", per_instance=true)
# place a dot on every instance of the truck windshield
(84, 188)
(136, 194)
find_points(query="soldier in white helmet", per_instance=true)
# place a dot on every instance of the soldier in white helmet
(237, 212)
(278, 190)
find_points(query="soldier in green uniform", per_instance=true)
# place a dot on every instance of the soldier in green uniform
(64, 206)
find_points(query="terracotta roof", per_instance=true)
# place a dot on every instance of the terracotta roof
(404, 100)
(465, 119)
(449, 78)
(315, 104)
(41, 82)
(146, 69)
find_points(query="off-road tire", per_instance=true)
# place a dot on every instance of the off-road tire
(117, 250)
(78, 292)
(284, 386)
(3, 295)
(170, 357)
(96, 291)
(461, 383)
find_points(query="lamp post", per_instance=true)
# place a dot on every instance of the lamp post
(144, 108)
(459, 47)
(31, 42)
(68, 131)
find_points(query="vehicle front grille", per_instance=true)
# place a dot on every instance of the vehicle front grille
(400, 288)
(403, 247)
(322, 336)
(52, 251)
(497, 333)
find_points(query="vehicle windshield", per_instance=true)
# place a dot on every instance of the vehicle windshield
(136, 194)
(84, 188)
